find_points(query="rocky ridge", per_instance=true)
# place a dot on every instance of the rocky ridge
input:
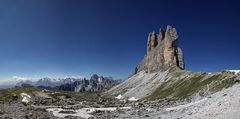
(95, 83)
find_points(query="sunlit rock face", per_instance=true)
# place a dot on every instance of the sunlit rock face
(162, 52)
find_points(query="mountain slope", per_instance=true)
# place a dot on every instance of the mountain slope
(139, 85)
(183, 84)
(220, 105)
(174, 84)
(161, 75)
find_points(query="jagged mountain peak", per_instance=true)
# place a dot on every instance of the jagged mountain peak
(162, 71)
(162, 52)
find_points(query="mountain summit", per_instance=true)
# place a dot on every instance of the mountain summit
(163, 57)
(162, 52)
(161, 75)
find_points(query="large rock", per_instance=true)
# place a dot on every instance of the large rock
(26, 99)
(162, 52)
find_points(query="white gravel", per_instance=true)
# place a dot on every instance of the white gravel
(140, 85)
(186, 105)
(224, 104)
(83, 113)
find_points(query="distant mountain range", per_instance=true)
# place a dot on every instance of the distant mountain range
(95, 83)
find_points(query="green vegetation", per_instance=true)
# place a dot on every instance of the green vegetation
(89, 96)
(58, 94)
(13, 93)
(184, 84)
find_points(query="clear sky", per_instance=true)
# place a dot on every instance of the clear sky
(108, 37)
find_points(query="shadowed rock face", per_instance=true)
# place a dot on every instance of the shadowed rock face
(95, 83)
(162, 52)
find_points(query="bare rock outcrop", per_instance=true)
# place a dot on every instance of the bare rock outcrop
(162, 52)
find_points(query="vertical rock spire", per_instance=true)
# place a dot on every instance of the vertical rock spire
(152, 40)
(162, 52)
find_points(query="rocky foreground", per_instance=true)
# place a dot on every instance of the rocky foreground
(45, 104)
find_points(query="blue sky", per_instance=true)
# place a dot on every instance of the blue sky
(57, 38)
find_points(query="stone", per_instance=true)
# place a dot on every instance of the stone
(26, 99)
(162, 52)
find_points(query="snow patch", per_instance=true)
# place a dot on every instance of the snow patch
(234, 71)
(119, 97)
(133, 99)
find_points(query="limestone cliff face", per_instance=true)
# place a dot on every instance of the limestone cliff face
(162, 52)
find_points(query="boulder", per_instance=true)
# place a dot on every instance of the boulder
(26, 99)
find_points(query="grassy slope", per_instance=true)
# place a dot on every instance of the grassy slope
(11, 94)
(182, 84)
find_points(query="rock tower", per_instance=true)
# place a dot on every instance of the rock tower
(162, 52)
